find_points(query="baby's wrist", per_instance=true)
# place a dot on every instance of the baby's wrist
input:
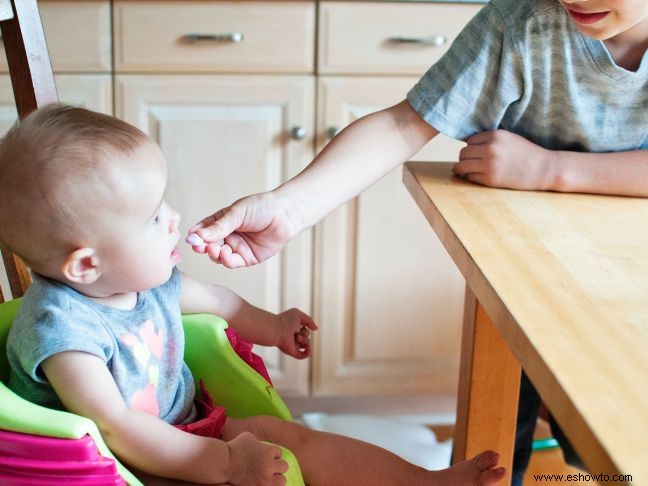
(279, 330)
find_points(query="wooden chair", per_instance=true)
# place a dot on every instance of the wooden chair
(33, 85)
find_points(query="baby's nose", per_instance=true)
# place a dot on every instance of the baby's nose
(174, 221)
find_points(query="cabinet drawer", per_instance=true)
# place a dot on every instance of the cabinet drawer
(387, 38)
(77, 34)
(214, 36)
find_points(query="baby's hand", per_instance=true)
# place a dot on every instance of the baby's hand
(255, 463)
(295, 328)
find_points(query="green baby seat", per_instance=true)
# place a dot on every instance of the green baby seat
(210, 357)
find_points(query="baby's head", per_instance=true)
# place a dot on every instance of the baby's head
(81, 201)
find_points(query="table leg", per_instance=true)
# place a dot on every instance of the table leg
(489, 386)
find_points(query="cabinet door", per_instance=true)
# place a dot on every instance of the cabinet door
(225, 137)
(92, 91)
(387, 296)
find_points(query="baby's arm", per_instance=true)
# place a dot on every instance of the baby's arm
(289, 330)
(504, 159)
(85, 387)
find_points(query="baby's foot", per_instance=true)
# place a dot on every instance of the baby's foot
(481, 470)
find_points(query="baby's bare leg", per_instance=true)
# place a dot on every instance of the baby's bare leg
(334, 459)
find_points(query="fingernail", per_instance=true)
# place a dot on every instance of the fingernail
(194, 240)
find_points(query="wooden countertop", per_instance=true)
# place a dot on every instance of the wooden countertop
(564, 278)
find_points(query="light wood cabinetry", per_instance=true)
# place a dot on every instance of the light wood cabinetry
(78, 36)
(199, 36)
(240, 95)
(389, 295)
(386, 38)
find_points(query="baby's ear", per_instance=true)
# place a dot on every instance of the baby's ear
(82, 266)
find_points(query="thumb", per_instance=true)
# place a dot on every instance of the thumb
(219, 225)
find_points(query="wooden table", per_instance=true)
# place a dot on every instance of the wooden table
(559, 284)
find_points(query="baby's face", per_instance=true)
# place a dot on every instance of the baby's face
(139, 251)
(605, 19)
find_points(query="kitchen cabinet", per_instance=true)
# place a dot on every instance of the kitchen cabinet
(389, 295)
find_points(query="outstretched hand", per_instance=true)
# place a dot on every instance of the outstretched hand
(504, 159)
(296, 328)
(246, 233)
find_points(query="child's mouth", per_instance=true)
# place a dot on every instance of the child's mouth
(175, 255)
(587, 18)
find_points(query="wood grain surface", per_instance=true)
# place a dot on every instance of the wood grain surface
(564, 278)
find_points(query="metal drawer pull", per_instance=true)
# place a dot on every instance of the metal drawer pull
(234, 37)
(332, 132)
(298, 133)
(435, 40)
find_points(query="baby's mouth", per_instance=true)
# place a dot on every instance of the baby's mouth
(175, 254)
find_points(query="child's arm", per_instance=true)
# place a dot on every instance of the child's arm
(256, 227)
(289, 330)
(504, 159)
(85, 387)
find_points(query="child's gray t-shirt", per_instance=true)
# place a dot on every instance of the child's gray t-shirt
(143, 348)
(521, 65)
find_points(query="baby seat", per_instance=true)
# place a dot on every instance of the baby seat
(44, 446)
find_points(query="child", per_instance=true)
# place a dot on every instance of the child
(99, 330)
(548, 94)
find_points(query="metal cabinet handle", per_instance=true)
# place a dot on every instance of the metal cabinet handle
(332, 132)
(434, 40)
(298, 133)
(234, 37)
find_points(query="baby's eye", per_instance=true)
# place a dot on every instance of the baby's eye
(156, 220)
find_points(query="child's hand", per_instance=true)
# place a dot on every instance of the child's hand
(504, 159)
(255, 463)
(295, 328)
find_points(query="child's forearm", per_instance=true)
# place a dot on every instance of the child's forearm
(616, 173)
(252, 323)
(361, 154)
(157, 448)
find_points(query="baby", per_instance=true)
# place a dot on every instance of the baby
(99, 332)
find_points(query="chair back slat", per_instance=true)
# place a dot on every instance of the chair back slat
(33, 85)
